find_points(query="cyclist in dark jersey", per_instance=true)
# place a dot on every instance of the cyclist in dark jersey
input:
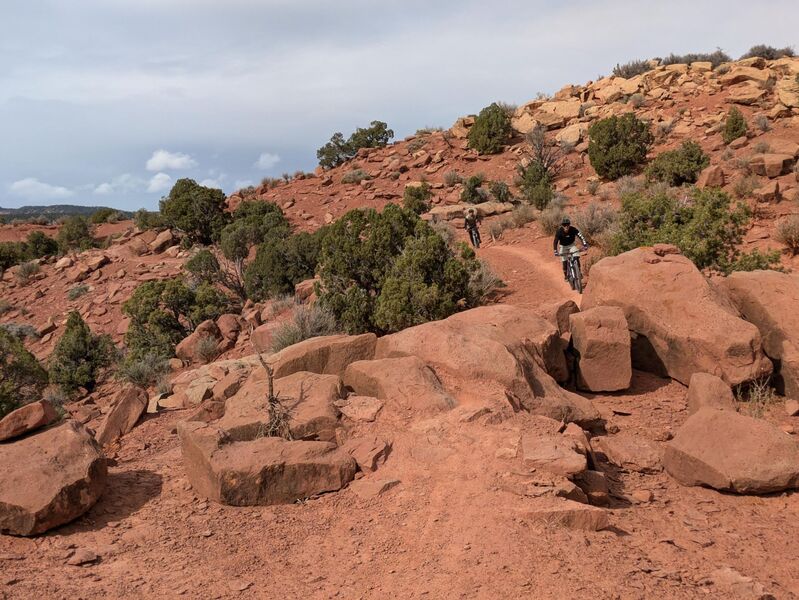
(563, 243)
(470, 223)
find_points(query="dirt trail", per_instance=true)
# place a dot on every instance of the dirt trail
(532, 273)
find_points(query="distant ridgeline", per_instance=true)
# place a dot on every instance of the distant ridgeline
(53, 212)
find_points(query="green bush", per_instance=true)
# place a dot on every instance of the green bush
(755, 260)
(162, 313)
(306, 322)
(768, 52)
(338, 150)
(473, 193)
(278, 266)
(27, 270)
(145, 219)
(196, 210)
(631, 69)
(416, 198)
(39, 245)
(714, 58)
(10, 254)
(706, 228)
(22, 378)
(101, 215)
(535, 184)
(75, 235)
(143, 371)
(500, 191)
(734, 126)
(679, 166)
(381, 271)
(79, 356)
(618, 145)
(490, 131)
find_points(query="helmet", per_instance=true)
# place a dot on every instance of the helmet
(566, 221)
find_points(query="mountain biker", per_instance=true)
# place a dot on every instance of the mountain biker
(563, 243)
(471, 221)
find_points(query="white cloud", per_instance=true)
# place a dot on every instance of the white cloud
(120, 184)
(163, 160)
(211, 183)
(242, 183)
(266, 161)
(159, 183)
(34, 189)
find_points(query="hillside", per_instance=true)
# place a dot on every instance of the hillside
(52, 212)
(635, 441)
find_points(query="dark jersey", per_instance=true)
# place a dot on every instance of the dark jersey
(470, 222)
(567, 237)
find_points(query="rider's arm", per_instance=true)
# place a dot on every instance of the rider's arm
(582, 239)
(555, 242)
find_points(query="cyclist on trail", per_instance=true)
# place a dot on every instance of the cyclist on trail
(563, 243)
(470, 225)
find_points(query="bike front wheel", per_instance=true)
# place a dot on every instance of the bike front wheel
(578, 278)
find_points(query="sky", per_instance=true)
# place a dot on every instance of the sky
(109, 102)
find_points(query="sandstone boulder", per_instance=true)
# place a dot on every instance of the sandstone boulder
(162, 241)
(405, 383)
(557, 313)
(27, 418)
(127, 407)
(229, 326)
(504, 344)
(309, 399)
(49, 479)
(712, 176)
(728, 451)
(267, 470)
(629, 452)
(707, 390)
(189, 348)
(769, 300)
(788, 92)
(681, 325)
(329, 355)
(566, 513)
(771, 165)
(740, 74)
(557, 454)
(361, 408)
(602, 341)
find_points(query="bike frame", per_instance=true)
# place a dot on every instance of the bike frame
(571, 259)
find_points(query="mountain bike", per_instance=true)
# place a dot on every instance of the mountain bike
(573, 272)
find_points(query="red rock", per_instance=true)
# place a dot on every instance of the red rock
(162, 241)
(361, 408)
(769, 300)
(595, 486)
(188, 348)
(709, 390)
(792, 407)
(263, 471)
(770, 192)
(368, 488)
(731, 452)
(558, 313)
(49, 479)
(681, 325)
(557, 454)
(630, 452)
(304, 290)
(229, 326)
(228, 386)
(328, 355)
(712, 176)
(602, 341)
(566, 513)
(27, 418)
(127, 407)
(368, 452)
(403, 383)
(771, 165)
(309, 397)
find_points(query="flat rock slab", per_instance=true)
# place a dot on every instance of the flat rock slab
(127, 407)
(327, 355)
(27, 418)
(361, 408)
(49, 479)
(556, 454)
(566, 513)
(706, 390)
(731, 452)
(267, 470)
(630, 452)
(368, 488)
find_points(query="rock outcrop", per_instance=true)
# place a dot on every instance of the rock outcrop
(27, 418)
(731, 452)
(707, 390)
(602, 341)
(681, 325)
(49, 479)
(127, 407)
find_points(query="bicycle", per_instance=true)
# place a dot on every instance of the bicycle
(573, 272)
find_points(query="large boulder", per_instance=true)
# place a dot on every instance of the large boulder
(728, 451)
(190, 348)
(49, 479)
(706, 390)
(681, 325)
(27, 418)
(629, 452)
(507, 345)
(769, 300)
(328, 355)
(162, 241)
(405, 383)
(771, 165)
(602, 341)
(127, 407)
(309, 399)
(266, 470)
